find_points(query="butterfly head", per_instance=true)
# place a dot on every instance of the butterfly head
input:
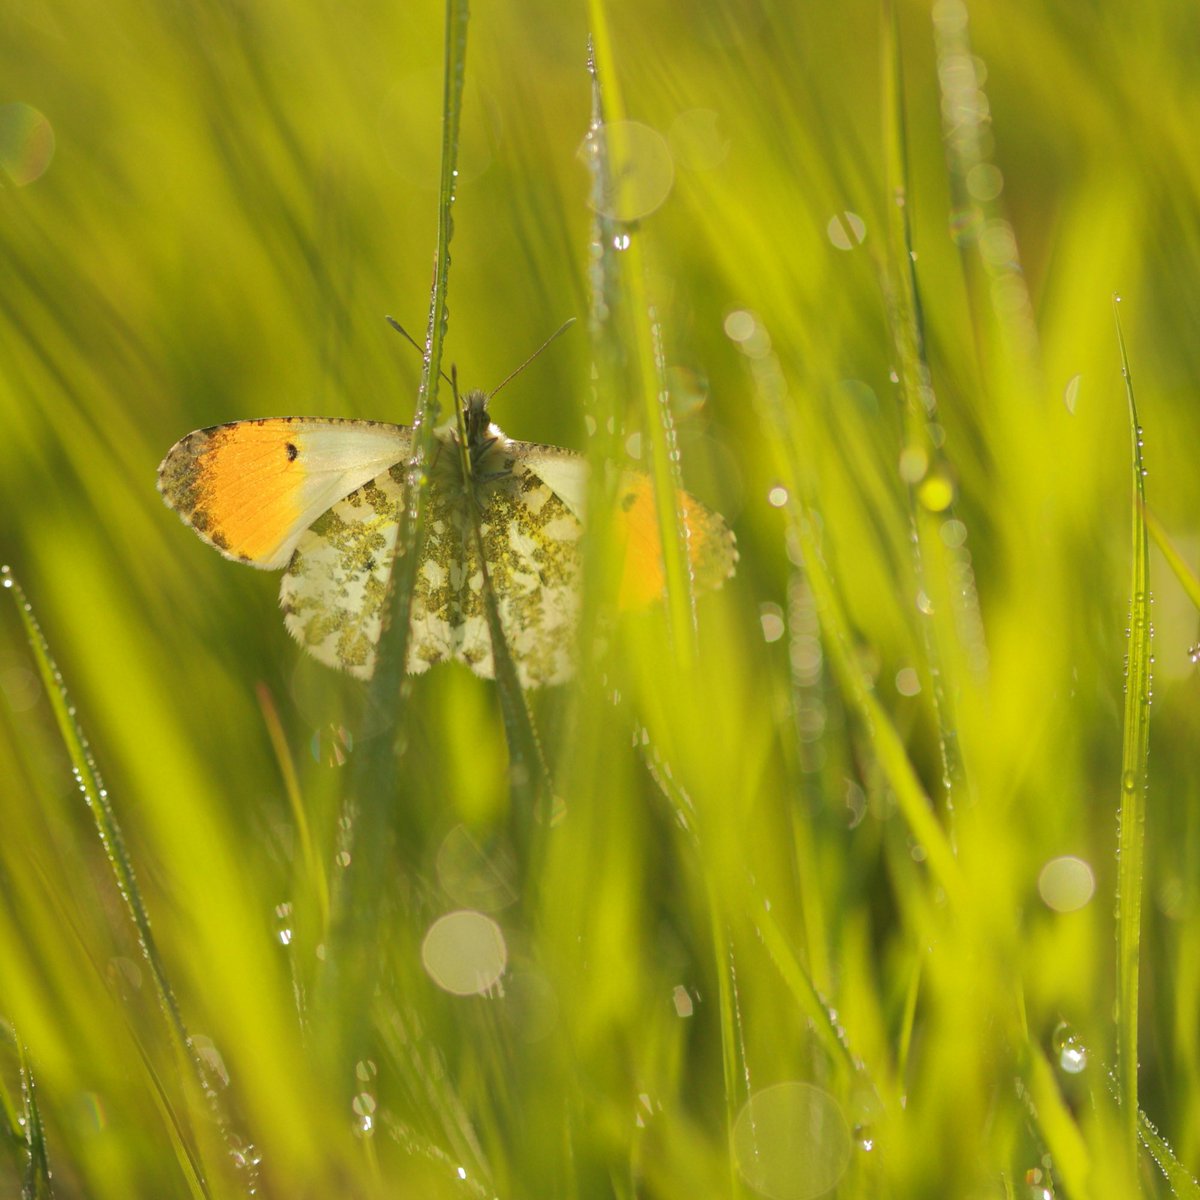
(482, 435)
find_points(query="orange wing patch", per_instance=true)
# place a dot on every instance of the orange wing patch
(251, 488)
(711, 550)
(238, 486)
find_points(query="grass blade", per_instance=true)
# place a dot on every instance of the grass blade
(35, 1183)
(1135, 750)
(375, 779)
(99, 804)
(1178, 564)
(780, 434)
(1182, 1184)
(527, 765)
(926, 474)
(626, 325)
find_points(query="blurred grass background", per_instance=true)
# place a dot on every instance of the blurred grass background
(730, 964)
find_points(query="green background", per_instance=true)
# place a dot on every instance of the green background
(732, 896)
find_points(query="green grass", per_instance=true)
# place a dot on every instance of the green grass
(786, 867)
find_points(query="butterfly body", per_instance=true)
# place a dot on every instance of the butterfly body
(323, 499)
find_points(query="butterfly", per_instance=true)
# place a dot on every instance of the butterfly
(322, 498)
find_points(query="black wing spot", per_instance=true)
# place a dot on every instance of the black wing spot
(292, 451)
(628, 501)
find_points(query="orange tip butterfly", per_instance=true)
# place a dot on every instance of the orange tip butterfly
(322, 497)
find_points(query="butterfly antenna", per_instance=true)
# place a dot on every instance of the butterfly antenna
(556, 334)
(412, 341)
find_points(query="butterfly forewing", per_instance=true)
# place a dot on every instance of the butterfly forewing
(251, 488)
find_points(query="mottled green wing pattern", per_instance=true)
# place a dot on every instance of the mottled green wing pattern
(531, 548)
(334, 592)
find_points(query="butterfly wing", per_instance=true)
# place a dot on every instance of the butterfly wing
(712, 550)
(335, 590)
(531, 501)
(251, 488)
(530, 537)
(530, 542)
(334, 593)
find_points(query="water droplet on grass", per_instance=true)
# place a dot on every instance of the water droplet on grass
(1071, 1051)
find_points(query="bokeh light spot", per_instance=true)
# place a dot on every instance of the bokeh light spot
(641, 170)
(688, 390)
(1066, 884)
(1071, 393)
(740, 325)
(26, 143)
(953, 534)
(985, 182)
(771, 616)
(791, 1142)
(914, 462)
(474, 874)
(846, 230)
(464, 952)
(936, 493)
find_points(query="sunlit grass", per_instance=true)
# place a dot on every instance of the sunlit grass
(811, 855)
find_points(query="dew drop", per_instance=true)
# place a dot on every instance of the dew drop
(1071, 1050)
